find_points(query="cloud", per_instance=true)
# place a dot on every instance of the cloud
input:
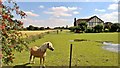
(41, 6)
(61, 11)
(72, 8)
(107, 17)
(100, 10)
(51, 22)
(63, 8)
(112, 17)
(59, 14)
(75, 12)
(113, 7)
(31, 14)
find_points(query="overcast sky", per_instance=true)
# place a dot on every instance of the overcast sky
(52, 14)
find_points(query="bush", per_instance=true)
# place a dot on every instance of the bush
(118, 30)
(89, 30)
(106, 30)
(98, 28)
(42, 28)
(11, 38)
(71, 29)
(75, 29)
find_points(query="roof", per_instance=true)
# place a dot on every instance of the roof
(86, 20)
(108, 23)
(80, 20)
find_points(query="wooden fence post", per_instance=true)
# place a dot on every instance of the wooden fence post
(70, 56)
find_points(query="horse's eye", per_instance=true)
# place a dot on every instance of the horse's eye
(48, 46)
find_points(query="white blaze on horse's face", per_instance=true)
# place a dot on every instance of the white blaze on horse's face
(50, 46)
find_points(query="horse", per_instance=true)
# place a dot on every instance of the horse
(40, 52)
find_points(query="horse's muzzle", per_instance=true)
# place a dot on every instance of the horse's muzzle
(52, 49)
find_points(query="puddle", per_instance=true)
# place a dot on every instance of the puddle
(108, 44)
(111, 47)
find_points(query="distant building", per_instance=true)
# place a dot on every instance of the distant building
(91, 22)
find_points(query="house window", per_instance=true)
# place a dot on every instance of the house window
(99, 23)
(90, 23)
(94, 23)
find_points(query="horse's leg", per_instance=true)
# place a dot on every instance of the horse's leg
(33, 60)
(40, 62)
(43, 62)
(30, 58)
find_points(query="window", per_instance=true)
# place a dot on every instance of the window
(90, 23)
(94, 23)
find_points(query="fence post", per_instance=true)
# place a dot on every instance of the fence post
(70, 56)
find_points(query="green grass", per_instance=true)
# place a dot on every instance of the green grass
(85, 53)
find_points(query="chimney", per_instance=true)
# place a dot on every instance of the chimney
(74, 21)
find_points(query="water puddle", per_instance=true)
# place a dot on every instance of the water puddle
(111, 47)
(108, 44)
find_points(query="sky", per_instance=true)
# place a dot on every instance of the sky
(54, 14)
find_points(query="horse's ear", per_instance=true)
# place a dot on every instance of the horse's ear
(48, 44)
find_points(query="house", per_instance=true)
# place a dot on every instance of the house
(91, 22)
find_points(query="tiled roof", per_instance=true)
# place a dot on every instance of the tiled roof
(86, 20)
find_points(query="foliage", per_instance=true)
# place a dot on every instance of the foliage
(75, 29)
(31, 27)
(59, 27)
(106, 30)
(98, 28)
(33, 38)
(115, 27)
(89, 30)
(83, 26)
(11, 39)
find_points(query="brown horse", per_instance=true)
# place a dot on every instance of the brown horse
(40, 52)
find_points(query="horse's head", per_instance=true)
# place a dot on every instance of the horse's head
(50, 46)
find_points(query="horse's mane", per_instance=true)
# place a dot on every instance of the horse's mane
(43, 46)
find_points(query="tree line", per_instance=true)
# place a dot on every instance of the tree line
(31, 27)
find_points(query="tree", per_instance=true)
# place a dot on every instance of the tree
(30, 27)
(75, 29)
(83, 25)
(107, 26)
(42, 28)
(11, 38)
(115, 27)
(98, 28)
(47, 28)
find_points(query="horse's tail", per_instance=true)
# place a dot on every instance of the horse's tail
(33, 48)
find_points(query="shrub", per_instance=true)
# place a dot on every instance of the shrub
(75, 29)
(89, 30)
(98, 28)
(106, 30)
(11, 38)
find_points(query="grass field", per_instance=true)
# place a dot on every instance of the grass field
(85, 53)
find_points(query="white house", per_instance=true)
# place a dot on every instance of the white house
(91, 22)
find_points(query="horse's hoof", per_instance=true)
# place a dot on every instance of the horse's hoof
(43, 67)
